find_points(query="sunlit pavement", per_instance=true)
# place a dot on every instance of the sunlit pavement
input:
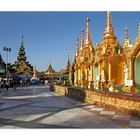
(37, 107)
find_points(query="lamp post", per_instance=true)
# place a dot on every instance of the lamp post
(6, 50)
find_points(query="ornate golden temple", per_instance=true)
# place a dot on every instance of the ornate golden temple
(22, 66)
(108, 66)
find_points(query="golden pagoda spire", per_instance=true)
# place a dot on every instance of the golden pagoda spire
(77, 45)
(88, 38)
(109, 39)
(126, 32)
(22, 41)
(138, 36)
(82, 37)
(139, 28)
(109, 31)
(127, 39)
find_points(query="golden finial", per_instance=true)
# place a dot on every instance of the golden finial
(109, 27)
(108, 13)
(139, 28)
(77, 43)
(108, 17)
(82, 30)
(126, 31)
(82, 37)
(88, 20)
(22, 40)
(127, 42)
(88, 40)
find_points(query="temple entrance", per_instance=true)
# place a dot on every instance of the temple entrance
(96, 75)
(137, 72)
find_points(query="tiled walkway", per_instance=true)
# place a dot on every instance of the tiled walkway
(36, 107)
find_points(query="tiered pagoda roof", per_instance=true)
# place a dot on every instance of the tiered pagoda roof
(22, 65)
(50, 70)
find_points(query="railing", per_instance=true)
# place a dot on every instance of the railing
(119, 101)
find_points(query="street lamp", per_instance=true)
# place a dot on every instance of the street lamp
(6, 50)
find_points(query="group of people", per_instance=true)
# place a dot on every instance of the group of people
(12, 83)
(20, 82)
(5, 84)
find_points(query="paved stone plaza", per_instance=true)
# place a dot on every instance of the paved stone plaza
(37, 107)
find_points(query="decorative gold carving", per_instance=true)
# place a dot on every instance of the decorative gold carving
(110, 56)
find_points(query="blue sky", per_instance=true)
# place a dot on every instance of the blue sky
(47, 34)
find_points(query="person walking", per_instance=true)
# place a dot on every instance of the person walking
(14, 84)
(21, 83)
(2, 84)
(7, 85)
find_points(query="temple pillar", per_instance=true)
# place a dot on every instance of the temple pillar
(129, 84)
(131, 69)
(136, 71)
(92, 76)
(100, 69)
(76, 77)
(86, 79)
(109, 72)
(80, 76)
(92, 72)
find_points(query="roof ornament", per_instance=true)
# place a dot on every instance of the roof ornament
(22, 41)
(82, 37)
(88, 38)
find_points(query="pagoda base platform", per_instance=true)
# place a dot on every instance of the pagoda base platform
(129, 89)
